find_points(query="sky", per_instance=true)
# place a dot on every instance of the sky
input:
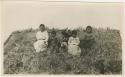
(18, 15)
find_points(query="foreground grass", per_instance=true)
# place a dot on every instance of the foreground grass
(105, 58)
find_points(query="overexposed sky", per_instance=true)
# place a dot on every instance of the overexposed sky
(17, 15)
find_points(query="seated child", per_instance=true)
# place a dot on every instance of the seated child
(88, 40)
(73, 44)
(64, 42)
(53, 43)
(42, 39)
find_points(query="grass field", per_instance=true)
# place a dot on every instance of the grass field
(105, 58)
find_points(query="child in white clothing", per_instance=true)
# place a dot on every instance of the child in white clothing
(42, 39)
(73, 44)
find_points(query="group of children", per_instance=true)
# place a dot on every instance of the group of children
(71, 43)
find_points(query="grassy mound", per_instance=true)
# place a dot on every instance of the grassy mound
(105, 58)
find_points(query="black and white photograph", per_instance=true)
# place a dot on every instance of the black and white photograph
(62, 38)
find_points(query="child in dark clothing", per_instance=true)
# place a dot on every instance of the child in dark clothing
(65, 38)
(53, 43)
(88, 40)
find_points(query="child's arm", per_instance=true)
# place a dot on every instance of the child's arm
(37, 36)
(77, 41)
(47, 36)
(69, 41)
(85, 37)
(49, 41)
(58, 43)
(93, 37)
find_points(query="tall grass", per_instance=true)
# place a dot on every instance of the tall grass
(104, 58)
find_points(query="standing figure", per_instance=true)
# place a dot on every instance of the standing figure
(53, 43)
(88, 40)
(42, 39)
(73, 44)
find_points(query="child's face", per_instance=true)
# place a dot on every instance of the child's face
(74, 35)
(53, 35)
(42, 28)
(88, 30)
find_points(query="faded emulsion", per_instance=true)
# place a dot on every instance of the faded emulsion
(62, 40)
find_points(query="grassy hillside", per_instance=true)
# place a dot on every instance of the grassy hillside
(105, 58)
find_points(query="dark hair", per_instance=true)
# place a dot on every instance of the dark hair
(42, 25)
(53, 32)
(74, 32)
(89, 27)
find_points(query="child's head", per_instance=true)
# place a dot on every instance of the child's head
(53, 33)
(42, 27)
(74, 33)
(89, 29)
